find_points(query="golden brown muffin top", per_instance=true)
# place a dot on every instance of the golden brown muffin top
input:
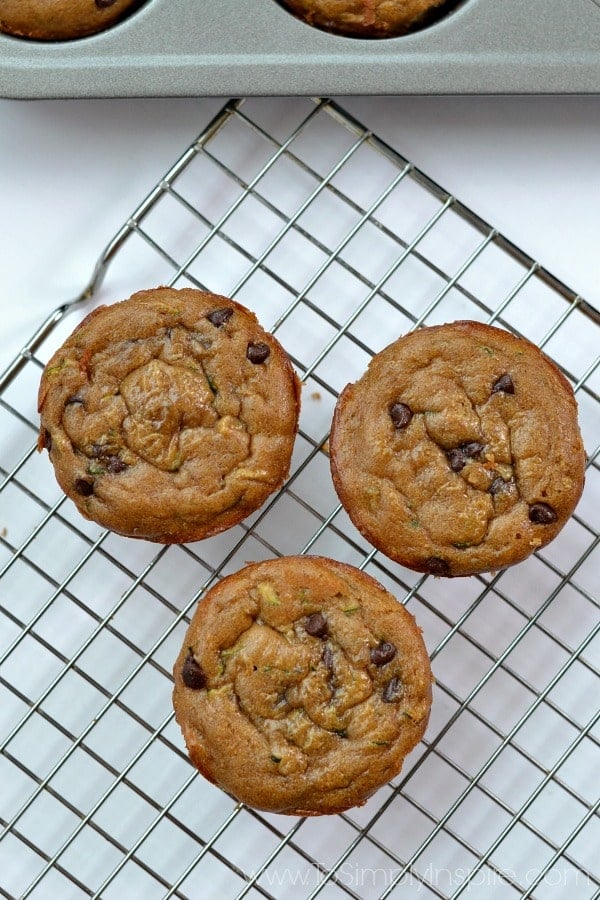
(60, 19)
(364, 18)
(301, 685)
(169, 416)
(458, 451)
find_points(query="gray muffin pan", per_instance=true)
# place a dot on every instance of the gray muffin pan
(248, 47)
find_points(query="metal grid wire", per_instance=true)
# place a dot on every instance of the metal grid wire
(339, 245)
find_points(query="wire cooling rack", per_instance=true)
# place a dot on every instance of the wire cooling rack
(339, 245)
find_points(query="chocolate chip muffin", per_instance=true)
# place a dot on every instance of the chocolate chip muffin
(59, 20)
(367, 18)
(458, 451)
(170, 416)
(301, 686)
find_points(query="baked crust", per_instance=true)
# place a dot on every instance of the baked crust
(282, 686)
(51, 20)
(170, 416)
(364, 18)
(458, 451)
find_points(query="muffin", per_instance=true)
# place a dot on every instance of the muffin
(301, 686)
(367, 18)
(59, 20)
(458, 451)
(170, 416)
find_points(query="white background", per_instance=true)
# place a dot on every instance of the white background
(72, 171)
(70, 174)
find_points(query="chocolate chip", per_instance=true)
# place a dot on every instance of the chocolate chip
(472, 449)
(459, 456)
(542, 514)
(383, 653)
(497, 486)
(400, 414)
(115, 464)
(327, 657)
(456, 459)
(218, 317)
(112, 461)
(191, 673)
(437, 566)
(316, 625)
(392, 690)
(83, 487)
(257, 352)
(504, 385)
(104, 4)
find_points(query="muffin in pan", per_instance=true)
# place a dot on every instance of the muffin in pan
(61, 20)
(301, 686)
(170, 416)
(459, 450)
(367, 18)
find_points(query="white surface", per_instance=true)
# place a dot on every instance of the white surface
(505, 659)
(72, 171)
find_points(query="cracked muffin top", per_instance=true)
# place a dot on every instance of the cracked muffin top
(170, 416)
(57, 20)
(301, 686)
(366, 18)
(458, 451)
